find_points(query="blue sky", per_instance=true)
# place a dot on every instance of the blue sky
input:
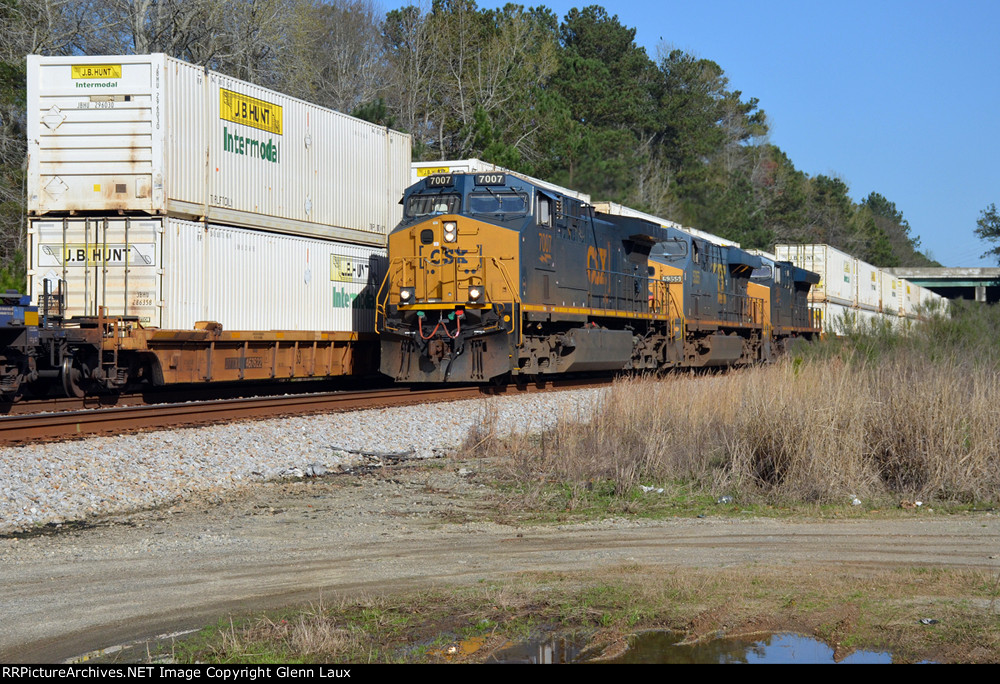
(900, 98)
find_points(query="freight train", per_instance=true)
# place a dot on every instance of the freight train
(492, 275)
(188, 227)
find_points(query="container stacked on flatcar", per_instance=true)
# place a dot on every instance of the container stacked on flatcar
(493, 273)
(852, 292)
(202, 228)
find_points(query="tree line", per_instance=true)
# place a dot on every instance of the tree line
(573, 100)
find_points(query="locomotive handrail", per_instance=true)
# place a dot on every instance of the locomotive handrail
(379, 300)
(515, 314)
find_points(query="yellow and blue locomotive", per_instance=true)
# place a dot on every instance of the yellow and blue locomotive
(18, 343)
(491, 274)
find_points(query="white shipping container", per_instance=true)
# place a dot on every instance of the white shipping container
(615, 209)
(836, 269)
(171, 273)
(153, 134)
(420, 170)
(932, 301)
(837, 319)
(869, 295)
(892, 294)
(911, 299)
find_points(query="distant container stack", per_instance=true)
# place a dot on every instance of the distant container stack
(851, 290)
(168, 192)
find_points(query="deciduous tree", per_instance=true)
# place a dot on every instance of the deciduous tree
(988, 229)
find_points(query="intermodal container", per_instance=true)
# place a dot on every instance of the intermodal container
(838, 319)
(837, 271)
(869, 280)
(892, 294)
(154, 135)
(169, 272)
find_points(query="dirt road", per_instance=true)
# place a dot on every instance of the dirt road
(158, 571)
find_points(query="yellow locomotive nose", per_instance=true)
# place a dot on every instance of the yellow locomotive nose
(451, 261)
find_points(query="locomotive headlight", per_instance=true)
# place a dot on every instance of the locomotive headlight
(406, 295)
(450, 231)
(475, 293)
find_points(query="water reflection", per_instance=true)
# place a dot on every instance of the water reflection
(663, 647)
(547, 651)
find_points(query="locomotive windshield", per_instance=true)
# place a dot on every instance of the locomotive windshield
(763, 272)
(497, 203)
(425, 205)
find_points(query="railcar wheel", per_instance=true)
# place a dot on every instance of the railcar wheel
(70, 375)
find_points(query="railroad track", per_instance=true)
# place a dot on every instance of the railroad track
(70, 424)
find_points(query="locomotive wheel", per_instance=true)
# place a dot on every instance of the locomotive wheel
(70, 376)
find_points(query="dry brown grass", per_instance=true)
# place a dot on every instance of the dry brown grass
(820, 431)
(313, 634)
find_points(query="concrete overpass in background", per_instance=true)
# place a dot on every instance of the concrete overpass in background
(980, 284)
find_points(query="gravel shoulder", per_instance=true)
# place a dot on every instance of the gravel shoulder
(180, 567)
(203, 552)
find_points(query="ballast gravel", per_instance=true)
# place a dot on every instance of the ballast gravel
(66, 481)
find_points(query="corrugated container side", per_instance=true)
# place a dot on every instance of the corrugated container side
(837, 319)
(171, 273)
(931, 301)
(892, 294)
(268, 281)
(185, 251)
(911, 299)
(295, 161)
(400, 150)
(186, 125)
(869, 286)
(154, 134)
(767, 255)
(422, 169)
(835, 268)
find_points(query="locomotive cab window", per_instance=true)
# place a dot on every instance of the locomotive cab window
(426, 205)
(761, 273)
(497, 203)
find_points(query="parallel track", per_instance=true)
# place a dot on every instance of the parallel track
(51, 427)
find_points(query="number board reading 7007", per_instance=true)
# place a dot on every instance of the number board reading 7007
(440, 181)
(491, 179)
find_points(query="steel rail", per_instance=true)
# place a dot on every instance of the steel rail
(51, 427)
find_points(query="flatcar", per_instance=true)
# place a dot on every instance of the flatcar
(492, 275)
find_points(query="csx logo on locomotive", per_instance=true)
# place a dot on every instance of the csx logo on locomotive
(597, 264)
(445, 256)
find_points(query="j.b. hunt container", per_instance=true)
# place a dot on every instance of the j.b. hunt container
(150, 134)
(172, 273)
